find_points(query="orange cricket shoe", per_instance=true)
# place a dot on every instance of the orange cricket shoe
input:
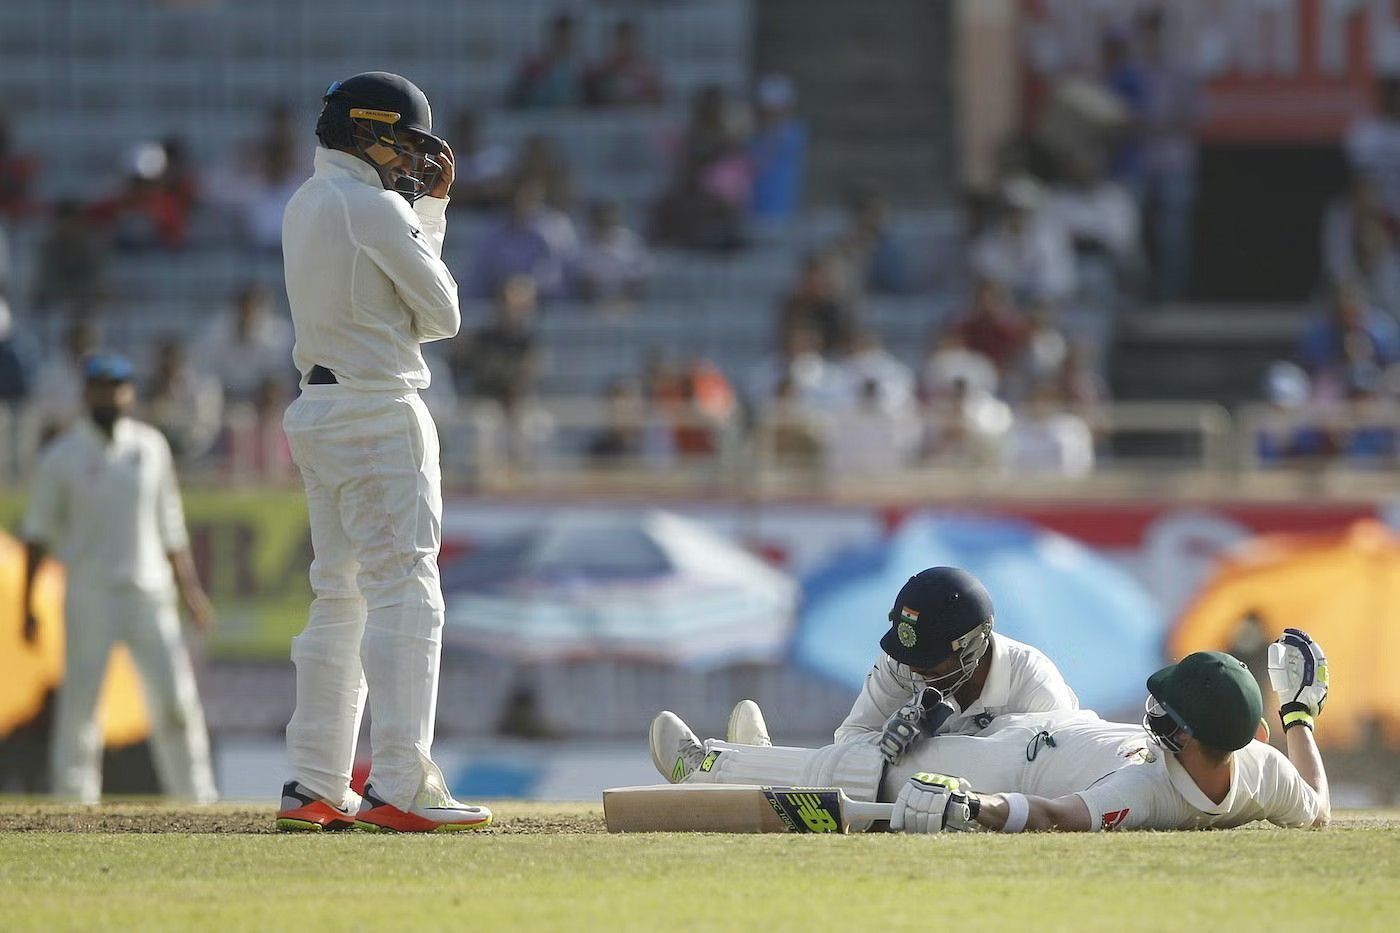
(380, 816)
(304, 812)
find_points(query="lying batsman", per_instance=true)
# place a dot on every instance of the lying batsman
(1192, 763)
(941, 670)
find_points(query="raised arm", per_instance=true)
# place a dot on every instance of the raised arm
(1299, 675)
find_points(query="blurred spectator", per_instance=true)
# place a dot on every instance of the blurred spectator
(263, 201)
(778, 151)
(626, 76)
(631, 435)
(1366, 437)
(539, 160)
(248, 345)
(180, 178)
(530, 239)
(185, 404)
(1081, 387)
(790, 430)
(1283, 435)
(483, 178)
(874, 436)
(951, 361)
(1166, 106)
(869, 362)
(18, 171)
(6, 263)
(992, 326)
(690, 216)
(1349, 333)
(146, 212)
(1043, 352)
(498, 362)
(15, 361)
(821, 302)
(1101, 219)
(613, 264)
(871, 249)
(1047, 439)
(1025, 251)
(697, 401)
(553, 77)
(1357, 243)
(799, 370)
(254, 445)
(967, 425)
(1373, 146)
(58, 385)
(70, 260)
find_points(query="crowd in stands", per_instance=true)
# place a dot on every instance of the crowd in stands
(1090, 215)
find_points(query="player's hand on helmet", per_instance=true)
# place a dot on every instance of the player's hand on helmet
(448, 174)
(933, 803)
(905, 726)
(1298, 673)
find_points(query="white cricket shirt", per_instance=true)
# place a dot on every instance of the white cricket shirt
(365, 277)
(110, 510)
(1021, 679)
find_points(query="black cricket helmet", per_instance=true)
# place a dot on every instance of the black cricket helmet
(941, 613)
(381, 116)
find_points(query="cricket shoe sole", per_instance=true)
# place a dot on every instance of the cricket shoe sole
(746, 725)
(303, 812)
(379, 816)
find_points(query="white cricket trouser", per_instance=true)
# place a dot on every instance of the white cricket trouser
(96, 618)
(374, 496)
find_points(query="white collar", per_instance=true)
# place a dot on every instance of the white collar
(1193, 794)
(333, 162)
(121, 432)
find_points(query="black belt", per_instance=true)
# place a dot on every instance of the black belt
(321, 376)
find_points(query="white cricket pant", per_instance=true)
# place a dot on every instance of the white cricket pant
(96, 619)
(374, 497)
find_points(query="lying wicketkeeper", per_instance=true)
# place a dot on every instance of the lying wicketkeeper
(1193, 762)
(941, 670)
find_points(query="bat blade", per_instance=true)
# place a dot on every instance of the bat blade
(734, 808)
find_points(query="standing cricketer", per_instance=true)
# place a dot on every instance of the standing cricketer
(105, 498)
(362, 244)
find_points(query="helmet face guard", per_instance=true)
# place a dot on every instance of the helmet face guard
(1164, 725)
(968, 650)
(406, 164)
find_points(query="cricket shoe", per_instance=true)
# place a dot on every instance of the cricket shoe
(675, 750)
(304, 812)
(746, 725)
(440, 815)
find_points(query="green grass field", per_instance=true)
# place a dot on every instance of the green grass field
(550, 866)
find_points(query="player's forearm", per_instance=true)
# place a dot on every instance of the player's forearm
(1303, 753)
(186, 577)
(1063, 814)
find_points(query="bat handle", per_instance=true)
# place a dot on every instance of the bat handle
(868, 810)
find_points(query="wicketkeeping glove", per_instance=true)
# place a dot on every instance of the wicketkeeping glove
(933, 803)
(1298, 673)
(922, 715)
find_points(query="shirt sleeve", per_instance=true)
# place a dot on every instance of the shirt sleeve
(407, 246)
(1287, 799)
(880, 696)
(170, 511)
(47, 512)
(1127, 799)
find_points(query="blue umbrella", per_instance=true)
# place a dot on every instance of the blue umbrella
(1091, 617)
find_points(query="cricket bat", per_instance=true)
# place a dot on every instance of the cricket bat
(735, 808)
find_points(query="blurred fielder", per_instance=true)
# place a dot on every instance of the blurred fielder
(106, 498)
(362, 241)
(1192, 763)
(941, 671)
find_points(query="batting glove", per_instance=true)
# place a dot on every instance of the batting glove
(933, 803)
(1298, 673)
(922, 715)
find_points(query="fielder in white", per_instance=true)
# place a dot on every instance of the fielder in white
(105, 498)
(1193, 762)
(362, 244)
(942, 670)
